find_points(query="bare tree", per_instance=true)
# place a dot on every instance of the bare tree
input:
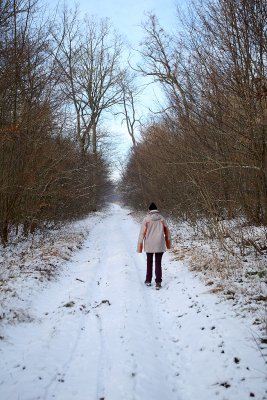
(42, 174)
(89, 56)
(130, 95)
(208, 149)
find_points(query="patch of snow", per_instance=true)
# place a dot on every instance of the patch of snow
(27, 265)
(241, 279)
(97, 332)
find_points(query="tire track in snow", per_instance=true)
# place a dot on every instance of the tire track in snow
(103, 294)
(91, 287)
(54, 387)
(145, 363)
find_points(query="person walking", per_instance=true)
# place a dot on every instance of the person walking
(155, 236)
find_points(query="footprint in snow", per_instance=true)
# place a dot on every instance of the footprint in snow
(61, 379)
(236, 360)
(224, 384)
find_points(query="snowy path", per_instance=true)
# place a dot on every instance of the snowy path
(119, 340)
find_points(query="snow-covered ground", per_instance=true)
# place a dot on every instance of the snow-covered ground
(97, 332)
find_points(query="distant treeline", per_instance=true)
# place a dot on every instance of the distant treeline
(206, 155)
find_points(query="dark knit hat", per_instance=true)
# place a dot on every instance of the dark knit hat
(152, 207)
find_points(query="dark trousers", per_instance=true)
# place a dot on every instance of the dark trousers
(149, 265)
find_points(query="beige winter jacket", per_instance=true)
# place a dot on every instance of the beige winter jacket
(154, 233)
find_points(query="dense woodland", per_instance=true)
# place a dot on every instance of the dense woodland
(205, 156)
(57, 76)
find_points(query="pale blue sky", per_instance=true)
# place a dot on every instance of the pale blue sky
(126, 16)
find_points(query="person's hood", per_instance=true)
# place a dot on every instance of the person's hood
(155, 215)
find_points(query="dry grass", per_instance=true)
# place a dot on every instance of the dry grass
(233, 279)
(30, 264)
